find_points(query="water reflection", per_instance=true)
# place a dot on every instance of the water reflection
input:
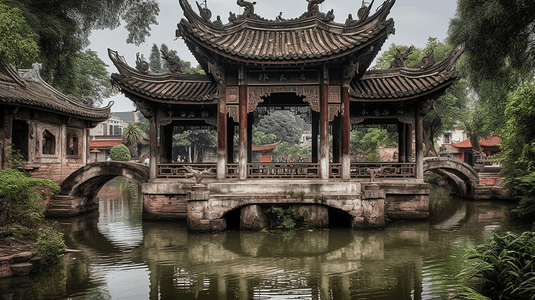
(124, 258)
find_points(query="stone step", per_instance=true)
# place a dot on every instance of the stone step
(21, 269)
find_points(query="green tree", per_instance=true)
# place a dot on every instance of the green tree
(18, 42)
(262, 138)
(519, 148)
(63, 28)
(499, 55)
(155, 62)
(165, 64)
(120, 153)
(92, 80)
(366, 141)
(196, 142)
(132, 135)
(282, 124)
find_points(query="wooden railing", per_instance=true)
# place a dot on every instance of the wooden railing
(180, 170)
(293, 170)
(383, 170)
(283, 170)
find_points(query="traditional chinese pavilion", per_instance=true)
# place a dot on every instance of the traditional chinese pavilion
(312, 65)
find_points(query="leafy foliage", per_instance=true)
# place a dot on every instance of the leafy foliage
(519, 147)
(155, 62)
(18, 43)
(61, 29)
(132, 135)
(285, 217)
(499, 55)
(282, 124)
(92, 81)
(262, 138)
(293, 152)
(20, 198)
(504, 266)
(366, 141)
(120, 153)
(198, 141)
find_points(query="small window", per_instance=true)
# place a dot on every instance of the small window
(49, 143)
(72, 144)
(447, 138)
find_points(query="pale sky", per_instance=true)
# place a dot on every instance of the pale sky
(415, 21)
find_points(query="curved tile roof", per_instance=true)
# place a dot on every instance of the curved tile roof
(162, 87)
(310, 38)
(27, 88)
(403, 83)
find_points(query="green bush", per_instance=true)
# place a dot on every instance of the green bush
(120, 153)
(505, 266)
(20, 208)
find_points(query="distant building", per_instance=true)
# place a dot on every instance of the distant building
(489, 145)
(48, 128)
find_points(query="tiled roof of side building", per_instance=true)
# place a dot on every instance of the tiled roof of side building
(403, 83)
(162, 87)
(27, 88)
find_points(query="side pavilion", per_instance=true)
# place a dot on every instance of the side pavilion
(310, 65)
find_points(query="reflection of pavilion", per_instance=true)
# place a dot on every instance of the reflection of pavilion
(254, 65)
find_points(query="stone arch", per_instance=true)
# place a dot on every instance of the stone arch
(87, 181)
(446, 166)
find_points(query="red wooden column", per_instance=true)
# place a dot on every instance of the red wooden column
(346, 133)
(153, 131)
(324, 125)
(242, 166)
(221, 134)
(419, 146)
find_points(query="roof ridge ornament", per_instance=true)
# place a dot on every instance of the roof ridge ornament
(314, 11)
(427, 61)
(204, 12)
(141, 64)
(175, 66)
(248, 11)
(400, 57)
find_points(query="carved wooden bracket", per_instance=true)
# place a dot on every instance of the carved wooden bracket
(426, 106)
(355, 121)
(311, 94)
(145, 109)
(408, 121)
(212, 122)
(334, 110)
(349, 72)
(233, 111)
(217, 71)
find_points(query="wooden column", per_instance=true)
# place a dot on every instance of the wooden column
(324, 125)
(346, 133)
(315, 134)
(221, 134)
(242, 168)
(408, 142)
(230, 140)
(250, 120)
(402, 139)
(419, 146)
(153, 131)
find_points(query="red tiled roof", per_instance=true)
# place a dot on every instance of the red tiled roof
(265, 147)
(491, 141)
(104, 143)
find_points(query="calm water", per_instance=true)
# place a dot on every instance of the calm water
(124, 258)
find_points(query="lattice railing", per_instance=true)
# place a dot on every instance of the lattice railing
(335, 170)
(232, 171)
(283, 170)
(180, 171)
(383, 170)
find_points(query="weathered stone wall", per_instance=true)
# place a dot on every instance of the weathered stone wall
(406, 201)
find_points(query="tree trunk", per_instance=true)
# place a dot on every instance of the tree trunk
(429, 145)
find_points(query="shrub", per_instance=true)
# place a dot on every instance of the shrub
(20, 198)
(120, 153)
(504, 265)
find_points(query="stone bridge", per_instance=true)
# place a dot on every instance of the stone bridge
(460, 175)
(79, 190)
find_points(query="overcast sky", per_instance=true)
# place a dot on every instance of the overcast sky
(415, 22)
